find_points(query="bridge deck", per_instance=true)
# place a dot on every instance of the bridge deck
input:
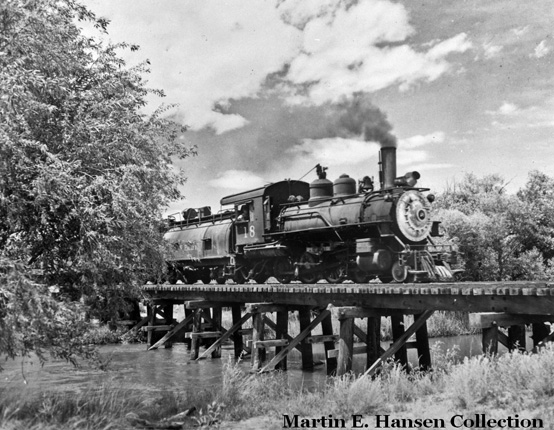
(531, 298)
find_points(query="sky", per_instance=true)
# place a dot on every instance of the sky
(269, 89)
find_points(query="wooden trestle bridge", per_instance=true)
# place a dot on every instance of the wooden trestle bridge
(492, 305)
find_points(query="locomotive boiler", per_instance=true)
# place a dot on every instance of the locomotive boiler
(295, 231)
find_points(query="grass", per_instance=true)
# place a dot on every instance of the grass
(105, 407)
(512, 383)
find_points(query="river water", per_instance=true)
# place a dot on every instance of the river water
(131, 366)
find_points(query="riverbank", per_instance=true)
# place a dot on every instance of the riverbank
(502, 387)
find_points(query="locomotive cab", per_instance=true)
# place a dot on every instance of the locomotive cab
(257, 211)
(249, 223)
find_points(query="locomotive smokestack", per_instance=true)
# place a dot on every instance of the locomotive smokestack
(387, 166)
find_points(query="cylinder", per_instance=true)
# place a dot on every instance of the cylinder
(388, 166)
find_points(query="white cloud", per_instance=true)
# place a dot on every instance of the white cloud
(510, 116)
(237, 180)
(353, 157)
(541, 50)
(433, 166)
(410, 152)
(458, 43)
(299, 12)
(506, 109)
(203, 52)
(335, 151)
(358, 49)
(358, 158)
(404, 156)
(520, 31)
(490, 50)
(421, 140)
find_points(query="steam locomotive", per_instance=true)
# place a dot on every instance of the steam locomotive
(336, 231)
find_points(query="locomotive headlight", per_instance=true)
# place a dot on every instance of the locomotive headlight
(412, 216)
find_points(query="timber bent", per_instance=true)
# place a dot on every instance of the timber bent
(492, 305)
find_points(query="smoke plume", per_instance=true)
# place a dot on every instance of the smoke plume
(358, 117)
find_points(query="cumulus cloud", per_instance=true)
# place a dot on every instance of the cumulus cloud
(490, 50)
(404, 156)
(335, 151)
(204, 53)
(520, 31)
(237, 180)
(511, 116)
(362, 48)
(421, 140)
(506, 109)
(541, 50)
(411, 149)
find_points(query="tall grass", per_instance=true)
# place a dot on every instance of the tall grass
(105, 407)
(516, 381)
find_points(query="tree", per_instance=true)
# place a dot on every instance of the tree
(500, 236)
(84, 173)
(535, 220)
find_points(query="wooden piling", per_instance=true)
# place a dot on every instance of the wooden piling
(168, 315)
(397, 325)
(195, 341)
(398, 343)
(490, 339)
(327, 330)
(346, 346)
(373, 340)
(295, 343)
(258, 354)
(540, 331)
(150, 310)
(237, 338)
(281, 332)
(422, 345)
(516, 338)
(188, 327)
(217, 316)
(307, 349)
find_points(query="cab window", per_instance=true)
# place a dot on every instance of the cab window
(243, 212)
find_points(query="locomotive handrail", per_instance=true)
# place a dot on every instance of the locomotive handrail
(280, 233)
